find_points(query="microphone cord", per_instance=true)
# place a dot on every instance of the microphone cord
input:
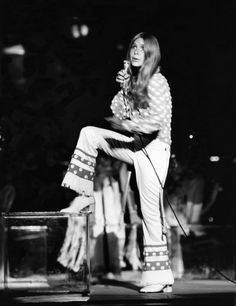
(172, 209)
(126, 64)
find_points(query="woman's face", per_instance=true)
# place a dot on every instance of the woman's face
(137, 54)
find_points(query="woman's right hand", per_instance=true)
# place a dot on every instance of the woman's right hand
(122, 77)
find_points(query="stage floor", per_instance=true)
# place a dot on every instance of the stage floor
(124, 291)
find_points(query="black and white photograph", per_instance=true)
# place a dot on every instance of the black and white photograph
(117, 152)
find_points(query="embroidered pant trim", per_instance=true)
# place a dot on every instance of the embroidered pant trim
(80, 175)
(156, 267)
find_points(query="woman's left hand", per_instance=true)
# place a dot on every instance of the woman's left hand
(115, 123)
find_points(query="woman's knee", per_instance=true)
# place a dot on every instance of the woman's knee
(87, 131)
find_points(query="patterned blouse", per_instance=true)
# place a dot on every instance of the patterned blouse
(157, 117)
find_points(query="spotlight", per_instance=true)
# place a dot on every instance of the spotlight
(75, 31)
(84, 30)
(214, 158)
(14, 50)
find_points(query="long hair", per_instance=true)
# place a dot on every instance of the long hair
(137, 91)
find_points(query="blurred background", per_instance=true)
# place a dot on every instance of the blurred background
(58, 65)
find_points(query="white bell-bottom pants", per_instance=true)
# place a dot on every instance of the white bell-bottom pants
(80, 174)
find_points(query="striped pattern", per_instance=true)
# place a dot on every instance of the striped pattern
(156, 258)
(82, 165)
(80, 173)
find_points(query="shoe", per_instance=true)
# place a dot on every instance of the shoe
(156, 288)
(80, 204)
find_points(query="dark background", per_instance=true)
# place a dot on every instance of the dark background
(62, 84)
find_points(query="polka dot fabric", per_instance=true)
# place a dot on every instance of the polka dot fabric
(157, 117)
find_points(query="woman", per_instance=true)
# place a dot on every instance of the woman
(142, 108)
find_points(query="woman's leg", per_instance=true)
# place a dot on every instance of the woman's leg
(80, 173)
(156, 269)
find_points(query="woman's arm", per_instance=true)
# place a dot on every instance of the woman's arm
(157, 114)
(119, 106)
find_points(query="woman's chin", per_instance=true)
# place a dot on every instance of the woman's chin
(136, 64)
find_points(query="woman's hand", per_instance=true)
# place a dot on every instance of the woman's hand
(122, 77)
(115, 123)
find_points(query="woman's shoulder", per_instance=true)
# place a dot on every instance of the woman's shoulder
(158, 80)
(158, 76)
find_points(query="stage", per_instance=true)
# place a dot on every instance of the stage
(124, 291)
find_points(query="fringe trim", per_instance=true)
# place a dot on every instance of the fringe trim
(78, 184)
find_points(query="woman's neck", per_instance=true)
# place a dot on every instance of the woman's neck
(135, 71)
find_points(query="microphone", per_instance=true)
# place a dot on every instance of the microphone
(126, 65)
(124, 85)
